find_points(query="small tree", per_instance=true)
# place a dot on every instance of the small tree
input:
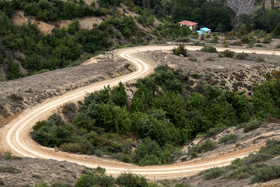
(181, 50)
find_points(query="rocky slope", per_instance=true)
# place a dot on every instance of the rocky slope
(249, 6)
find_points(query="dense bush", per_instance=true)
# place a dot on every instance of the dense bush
(131, 180)
(266, 174)
(228, 53)
(180, 51)
(209, 49)
(94, 179)
(252, 125)
(228, 139)
(148, 153)
(241, 56)
(212, 173)
(203, 147)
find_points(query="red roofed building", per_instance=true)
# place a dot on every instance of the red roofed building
(189, 24)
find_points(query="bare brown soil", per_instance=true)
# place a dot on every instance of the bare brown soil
(19, 18)
(228, 73)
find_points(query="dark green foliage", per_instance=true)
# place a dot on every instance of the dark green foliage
(256, 158)
(14, 71)
(228, 139)
(212, 173)
(203, 147)
(1, 182)
(228, 53)
(272, 147)
(11, 170)
(94, 179)
(182, 185)
(181, 50)
(148, 153)
(131, 180)
(45, 10)
(266, 20)
(266, 99)
(266, 174)
(242, 56)
(119, 97)
(161, 113)
(171, 30)
(241, 173)
(209, 49)
(74, 148)
(252, 125)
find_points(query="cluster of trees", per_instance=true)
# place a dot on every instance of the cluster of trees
(263, 19)
(51, 51)
(51, 10)
(63, 46)
(215, 15)
(161, 114)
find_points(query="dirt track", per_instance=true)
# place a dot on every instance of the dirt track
(15, 136)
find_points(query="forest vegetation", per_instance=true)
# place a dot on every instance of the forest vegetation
(26, 47)
(162, 116)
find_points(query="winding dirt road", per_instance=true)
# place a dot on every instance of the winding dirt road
(15, 136)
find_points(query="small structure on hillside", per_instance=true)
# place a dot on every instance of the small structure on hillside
(191, 25)
(204, 31)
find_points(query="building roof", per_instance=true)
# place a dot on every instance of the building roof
(200, 32)
(187, 23)
(205, 29)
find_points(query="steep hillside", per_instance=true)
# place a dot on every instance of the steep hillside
(47, 35)
(250, 6)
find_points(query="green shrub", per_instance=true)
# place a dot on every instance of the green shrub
(236, 164)
(36, 176)
(209, 49)
(259, 45)
(203, 147)
(181, 50)
(148, 153)
(228, 139)
(212, 173)
(278, 46)
(252, 125)
(241, 173)
(267, 40)
(260, 59)
(92, 179)
(1, 182)
(193, 59)
(253, 158)
(242, 56)
(272, 147)
(11, 170)
(182, 185)
(74, 148)
(8, 156)
(69, 111)
(131, 180)
(59, 184)
(266, 174)
(214, 131)
(228, 53)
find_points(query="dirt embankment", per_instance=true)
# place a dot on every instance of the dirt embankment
(19, 94)
(228, 73)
